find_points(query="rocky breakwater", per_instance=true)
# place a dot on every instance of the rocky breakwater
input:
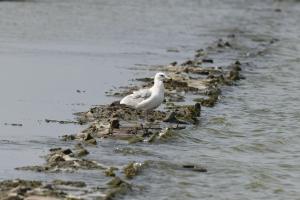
(202, 84)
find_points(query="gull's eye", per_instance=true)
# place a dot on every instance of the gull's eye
(162, 75)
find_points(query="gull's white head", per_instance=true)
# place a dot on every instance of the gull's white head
(160, 76)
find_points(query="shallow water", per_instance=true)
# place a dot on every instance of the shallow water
(248, 142)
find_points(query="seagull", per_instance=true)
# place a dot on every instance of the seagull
(150, 98)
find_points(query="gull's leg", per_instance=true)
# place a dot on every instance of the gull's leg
(145, 121)
(146, 113)
(139, 119)
(149, 123)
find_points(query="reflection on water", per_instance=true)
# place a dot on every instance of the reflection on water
(249, 142)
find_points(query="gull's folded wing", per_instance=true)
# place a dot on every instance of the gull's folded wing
(143, 94)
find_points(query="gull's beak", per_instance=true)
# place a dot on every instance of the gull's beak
(168, 77)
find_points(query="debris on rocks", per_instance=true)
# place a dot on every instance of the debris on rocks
(64, 160)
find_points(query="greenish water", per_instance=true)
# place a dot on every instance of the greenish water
(249, 142)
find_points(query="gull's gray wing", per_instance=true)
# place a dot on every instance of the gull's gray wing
(142, 94)
(136, 97)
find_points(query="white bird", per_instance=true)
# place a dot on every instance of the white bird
(150, 98)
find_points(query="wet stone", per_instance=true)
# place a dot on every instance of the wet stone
(117, 187)
(173, 63)
(114, 123)
(60, 121)
(207, 60)
(110, 171)
(69, 183)
(81, 152)
(188, 113)
(188, 63)
(195, 168)
(25, 189)
(132, 169)
(121, 112)
(171, 118)
(135, 139)
(209, 102)
(68, 137)
(64, 160)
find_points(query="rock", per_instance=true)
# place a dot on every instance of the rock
(173, 50)
(20, 190)
(30, 190)
(78, 184)
(117, 187)
(171, 118)
(164, 134)
(35, 197)
(68, 137)
(188, 113)
(200, 53)
(132, 169)
(221, 43)
(110, 171)
(194, 168)
(277, 10)
(188, 63)
(66, 151)
(207, 60)
(80, 151)
(210, 102)
(60, 121)
(56, 158)
(89, 139)
(58, 161)
(55, 149)
(135, 139)
(153, 137)
(173, 63)
(233, 75)
(13, 197)
(114, 123)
